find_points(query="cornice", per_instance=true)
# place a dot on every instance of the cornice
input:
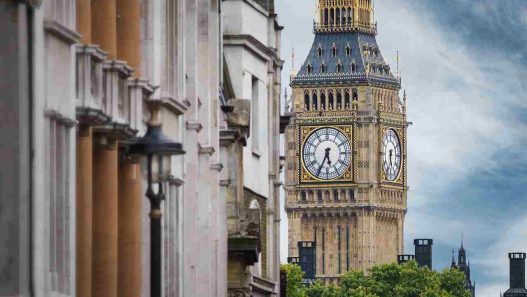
(254, 45)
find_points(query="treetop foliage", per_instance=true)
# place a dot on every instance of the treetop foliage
(389, 280)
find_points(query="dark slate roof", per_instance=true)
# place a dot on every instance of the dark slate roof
(356, 41)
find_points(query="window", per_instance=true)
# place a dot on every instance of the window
(334, 50)
(351, 196)
(319, 197)
(336, 195)
(319, 51)
(355, 95)
(309, 68)
(348, 50)
(323, 99)
(339, 98)
(306, 101)
(303, 196)
(326, 16)
(353, 67)
(347, 99)
(339, 68)
(59, 185)
(323, 68)
(315, 100)
(255, 116)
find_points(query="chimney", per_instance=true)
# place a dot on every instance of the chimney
(293, 260)
(517, 276)
(404, 258)
(307, 254)
(423, 252)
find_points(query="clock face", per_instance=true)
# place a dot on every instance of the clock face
(327, 153)
(391, 154)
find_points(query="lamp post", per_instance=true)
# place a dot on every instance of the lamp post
(157, 149)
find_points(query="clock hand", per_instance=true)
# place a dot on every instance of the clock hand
(326, 156)
(391, 152)
(321, 165)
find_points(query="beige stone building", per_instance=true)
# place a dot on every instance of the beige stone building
(76, 80)
(345, 146)
(249, 138)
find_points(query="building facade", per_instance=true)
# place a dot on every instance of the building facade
(78, 77)
(249, 137)
(345, 146)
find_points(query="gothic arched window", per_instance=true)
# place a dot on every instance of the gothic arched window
(315, 100)
(348, 50)
(347, 99)
(339, 97)
(320, 197)
(334, 50)
(306, 102)
(336, 195)
(339, 68)
(355, 95)
(309, 68)
(326, 16)
(323, 68)
(323, 99)
(351, 196)
(303, 196)
(353, 67)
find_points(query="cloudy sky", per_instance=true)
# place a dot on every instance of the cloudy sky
(464, 65)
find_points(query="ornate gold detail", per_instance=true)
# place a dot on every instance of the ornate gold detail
(400, 180)
(307, 178)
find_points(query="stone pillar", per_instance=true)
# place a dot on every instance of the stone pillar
(84, 20)
(130, 235)
(105, 219)
(104, 26)
(84, 211)
(129, 34)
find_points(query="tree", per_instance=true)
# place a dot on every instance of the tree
(294, 274)
(389, 280)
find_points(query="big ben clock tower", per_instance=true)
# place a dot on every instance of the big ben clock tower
(346, 146)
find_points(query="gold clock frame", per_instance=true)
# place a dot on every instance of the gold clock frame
(304, 176)
(401, 177)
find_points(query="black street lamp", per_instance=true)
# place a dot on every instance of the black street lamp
(157, 148)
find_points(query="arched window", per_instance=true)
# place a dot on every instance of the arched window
(353, 67)
(350, 15)
(320, 197)
(339, 97)
(336, 195)
(326, 16)
(323, 68)
(334, 50)
(319, 51)
(303, 196)
(315, 100)
(351, 196)
(331, 16)
(338, 16)
(348, 50)
(309, 68)
(347, 100)
(306, 102)
(331, 97)
(339, 68)
(355, 95)
(323, 99)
